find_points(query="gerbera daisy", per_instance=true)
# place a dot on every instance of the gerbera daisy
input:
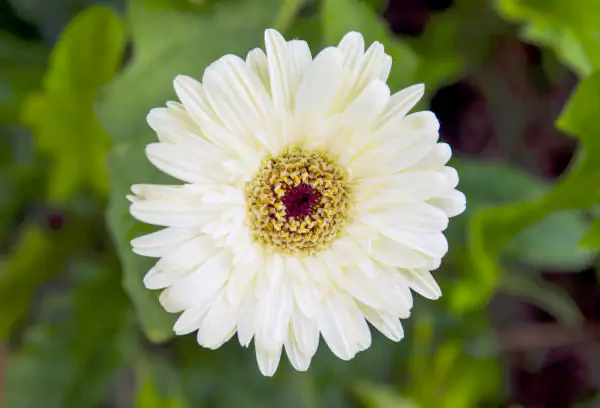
(312, 202)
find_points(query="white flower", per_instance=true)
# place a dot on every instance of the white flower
(312, 201)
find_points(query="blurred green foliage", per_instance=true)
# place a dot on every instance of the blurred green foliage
(62, 117)
(492, 229)
(569, 28)
(81, 329)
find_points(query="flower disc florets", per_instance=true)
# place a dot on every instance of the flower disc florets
(297, 202)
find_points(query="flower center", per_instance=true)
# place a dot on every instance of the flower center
(297, 202)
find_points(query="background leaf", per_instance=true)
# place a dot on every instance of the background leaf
(35, 259)
(487, 183)
(568, 27)
(546, 296)
(492, 229)
(21, 69)
(66, 361)
(377, 396)
(61, 115)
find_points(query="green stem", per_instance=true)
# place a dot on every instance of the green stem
(287, 14)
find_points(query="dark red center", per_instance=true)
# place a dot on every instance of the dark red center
(299, 201)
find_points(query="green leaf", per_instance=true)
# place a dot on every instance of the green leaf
(194, 40)
(487, 184)
(67, 362)
(565, 45)
(474, 382)
(287, 14)
(377, 396)
(493, 228)
(545, 295)
(592, 238)
(149, 397)
(540, 245)
(36, 258)
(342, 16)
(21, 70)
(449, 377)
(61, 115)
(579, 116)
(159, 381)
(570, 28)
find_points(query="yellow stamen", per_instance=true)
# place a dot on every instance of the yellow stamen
(311, 233)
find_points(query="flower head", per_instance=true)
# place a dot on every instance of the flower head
(312, 201)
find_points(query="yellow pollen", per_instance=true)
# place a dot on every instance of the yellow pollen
(297, 202)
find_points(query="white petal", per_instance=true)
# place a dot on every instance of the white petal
(368, 105)
(421, 122)
(386, 68)
(160, 243)
(343, 326)
(392, 253)
(361, 69)
(417, 185)
(163, 192)
(257, 61)
(299, 361)
(316, 268)
(179, 262)
(399, 285)
(398, 135)
(218, 325)
(422, 282)
(201, 285)
(176, 127)
(190, 320)
(182, 163)
(240, 283)
(302, 341)
(375, 65)
(237, 96)
(306, 334)
(414, 153)
(301, 58)
(436, 157)
(274, 309)
(432, 244)
(452, 204)
(287, 63)
(170, 303)
(319, 86)
(170, 213)
(411, 216)
(306, 294)
(401, 103)
(362, 288)
(451, 175)
(268, 360)
(353, 48)
(246, 323)
(396, 148)
(349, 253)
(192, 95)
(389, 325)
